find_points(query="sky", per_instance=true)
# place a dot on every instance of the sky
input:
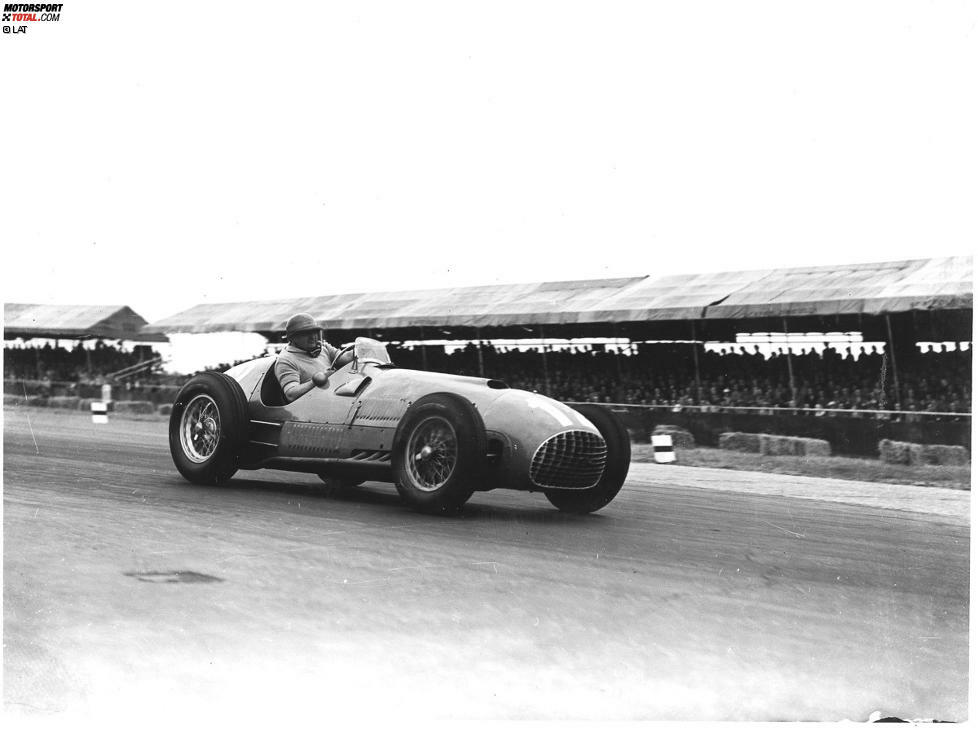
(162, 156)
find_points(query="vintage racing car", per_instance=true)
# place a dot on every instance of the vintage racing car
(438, 437)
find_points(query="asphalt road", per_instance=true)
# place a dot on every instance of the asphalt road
(697, 594)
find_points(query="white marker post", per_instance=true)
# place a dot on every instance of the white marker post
(662, 450)
(100, 412)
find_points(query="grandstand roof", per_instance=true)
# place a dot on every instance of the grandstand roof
(869, 289)
(75, 321)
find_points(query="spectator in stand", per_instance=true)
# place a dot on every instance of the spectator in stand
(663, 375)
(63, 365)
(935, 379)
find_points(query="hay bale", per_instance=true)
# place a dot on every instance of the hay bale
(134, 406)
(37, 401)
(938, 455)
(13, 400)
(777, 445)
(894, 452)
(948, 455)
(736, 441)
(165, 409)
(815, 447)
(681, 438)
(794, 446)
(64, 401)
(771, 445)
(905, 452)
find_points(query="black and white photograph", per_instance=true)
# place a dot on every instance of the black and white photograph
(385, 363)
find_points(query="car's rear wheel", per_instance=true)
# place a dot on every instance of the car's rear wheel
(208, 426)
(619, 457)
(439, 454)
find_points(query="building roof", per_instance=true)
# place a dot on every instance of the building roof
(864, 289)
(75, 321)
(868, 289)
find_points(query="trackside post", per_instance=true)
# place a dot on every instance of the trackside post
(100, 412)
(662, 450)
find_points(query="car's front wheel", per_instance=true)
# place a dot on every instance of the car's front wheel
(618, 460)
(208, 425)
(439, 455)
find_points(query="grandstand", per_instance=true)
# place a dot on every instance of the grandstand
(673, 349)
(666, 324)
(97, 325)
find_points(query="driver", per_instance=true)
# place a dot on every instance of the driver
(308, 359)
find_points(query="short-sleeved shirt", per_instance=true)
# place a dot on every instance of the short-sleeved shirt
(294, 366)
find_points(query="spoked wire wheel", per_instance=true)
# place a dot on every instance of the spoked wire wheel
(200, 429)
(439, 453)
(208, 428)
(432, 453)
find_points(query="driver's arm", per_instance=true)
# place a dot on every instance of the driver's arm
(289, 378)
(332, 352)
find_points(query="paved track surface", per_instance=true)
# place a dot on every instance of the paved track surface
(697, 594)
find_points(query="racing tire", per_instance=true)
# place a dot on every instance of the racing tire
(439, 455)
(208, 427)
(615, 435)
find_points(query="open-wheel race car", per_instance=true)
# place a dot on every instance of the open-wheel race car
(439, 438)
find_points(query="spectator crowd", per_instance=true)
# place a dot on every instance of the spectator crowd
(665, 375)
(652, 374)
(77, 364)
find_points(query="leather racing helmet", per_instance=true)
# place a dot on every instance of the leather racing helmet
(301, 322)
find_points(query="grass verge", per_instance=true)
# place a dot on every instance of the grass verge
(835, 467)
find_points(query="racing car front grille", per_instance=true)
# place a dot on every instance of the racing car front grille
(569, 460)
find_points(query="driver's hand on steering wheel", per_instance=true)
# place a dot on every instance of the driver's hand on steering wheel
(344, 356)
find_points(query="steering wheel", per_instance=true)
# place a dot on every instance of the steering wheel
(344, 356)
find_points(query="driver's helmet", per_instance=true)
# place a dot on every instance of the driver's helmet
(301, 322)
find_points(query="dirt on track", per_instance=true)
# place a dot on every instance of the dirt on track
(697, 594)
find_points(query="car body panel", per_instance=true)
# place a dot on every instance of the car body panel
(348, 425)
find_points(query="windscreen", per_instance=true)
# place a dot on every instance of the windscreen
(367, 350)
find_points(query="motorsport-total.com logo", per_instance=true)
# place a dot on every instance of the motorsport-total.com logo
(17, 15)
